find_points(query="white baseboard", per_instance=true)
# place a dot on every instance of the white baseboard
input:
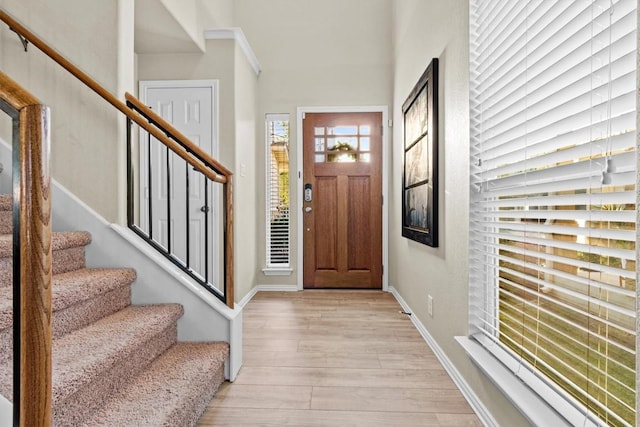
(277, 288)
(266, 288)
(475, 403)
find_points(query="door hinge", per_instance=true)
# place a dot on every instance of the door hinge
(383, 269)
(382, 198)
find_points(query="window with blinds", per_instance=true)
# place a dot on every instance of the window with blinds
(553, 196)
(277, 190)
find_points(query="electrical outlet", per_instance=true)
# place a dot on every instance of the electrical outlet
(430, 305)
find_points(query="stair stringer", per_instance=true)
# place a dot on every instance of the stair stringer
(205, 318)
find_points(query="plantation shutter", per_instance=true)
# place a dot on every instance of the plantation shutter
(553, 195)
(277, 190)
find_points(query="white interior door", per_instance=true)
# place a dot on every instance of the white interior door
(176, 195)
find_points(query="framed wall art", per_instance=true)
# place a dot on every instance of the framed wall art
(420, 177)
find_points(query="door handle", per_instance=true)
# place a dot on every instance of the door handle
(307, 209)
(204, 209)
(307, 193)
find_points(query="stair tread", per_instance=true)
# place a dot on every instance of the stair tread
(81, 356)
(183, 377)
(72, 287)
(59, 240)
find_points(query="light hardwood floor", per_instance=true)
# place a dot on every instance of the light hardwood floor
(335, 358)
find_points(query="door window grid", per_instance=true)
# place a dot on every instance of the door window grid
(342, 144)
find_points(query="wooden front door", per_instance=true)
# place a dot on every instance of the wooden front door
(342, 200)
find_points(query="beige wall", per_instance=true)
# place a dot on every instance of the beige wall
(424, 30)
(86, 145)
(216, 13)
(187, 14)
(246, 186)
(313, 53)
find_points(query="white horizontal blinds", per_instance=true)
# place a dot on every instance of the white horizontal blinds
(553, 175)
(277, 190)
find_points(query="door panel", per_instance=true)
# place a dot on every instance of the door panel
(343, 221)
(359, 223)
(177, 189)
(326, 248)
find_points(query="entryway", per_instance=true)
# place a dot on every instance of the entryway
(335, 358)
(342, 199)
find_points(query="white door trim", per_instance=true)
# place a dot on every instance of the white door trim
(386, 155)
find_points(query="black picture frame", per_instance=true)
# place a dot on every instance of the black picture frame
(420, 174)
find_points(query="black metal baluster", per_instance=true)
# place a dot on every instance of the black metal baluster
(166, 250)
(17, 295)
(188, 230)
(129, 175)
(168, 202)
(206, 230)
(149, 188)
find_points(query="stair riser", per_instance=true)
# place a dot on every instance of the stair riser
(188, 416)
(6, 222)
(73, 318)
(64, 260)
(82, 314)
(74, 409)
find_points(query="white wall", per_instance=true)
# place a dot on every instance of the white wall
(86, 144)
(313, 53)
(425, 29)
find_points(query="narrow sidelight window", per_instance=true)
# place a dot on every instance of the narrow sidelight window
(277, 129)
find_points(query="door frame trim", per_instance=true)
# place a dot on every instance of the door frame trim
(386, 155)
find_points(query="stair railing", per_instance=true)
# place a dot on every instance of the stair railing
(165, 221)
(32, 272)
(32, 225)
(175, 142)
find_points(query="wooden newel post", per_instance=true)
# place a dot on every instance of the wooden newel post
(34, 212)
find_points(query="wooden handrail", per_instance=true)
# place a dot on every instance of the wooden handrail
(176, 148)
(208, 162)
(32, 257)
(175, 132)
(14, 94)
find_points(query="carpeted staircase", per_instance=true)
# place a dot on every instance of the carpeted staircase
(114, 364)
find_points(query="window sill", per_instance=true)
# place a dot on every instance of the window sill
(523, 389)
(277, 271)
